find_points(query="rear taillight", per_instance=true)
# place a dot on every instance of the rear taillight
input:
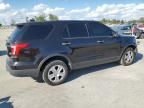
(16, 48)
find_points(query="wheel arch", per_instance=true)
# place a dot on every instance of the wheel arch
(48, 59)
(129, 46)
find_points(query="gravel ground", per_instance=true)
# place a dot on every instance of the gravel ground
(105, 86)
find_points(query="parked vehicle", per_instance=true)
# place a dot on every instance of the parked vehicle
(123, 29)
(126, 29)
(140, 31)
(50, 50)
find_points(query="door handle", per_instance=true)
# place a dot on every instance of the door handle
(66, 43)
(100, 41)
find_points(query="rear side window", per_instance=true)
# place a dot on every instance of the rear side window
(16, 33)
(35, 32)
(98, 29)
(77, 30)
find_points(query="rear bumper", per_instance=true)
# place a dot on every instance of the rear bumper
(22, 72)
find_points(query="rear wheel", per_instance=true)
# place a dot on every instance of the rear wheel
(128, 57)
(55, 73)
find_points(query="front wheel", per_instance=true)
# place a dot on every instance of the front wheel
(128, 57)
(55, 73)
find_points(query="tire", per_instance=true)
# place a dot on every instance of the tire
(128, 57)
(55, 73)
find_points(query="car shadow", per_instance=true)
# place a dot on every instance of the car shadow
(139, 56)
(80, 72)
(4, 103)
(3, 52)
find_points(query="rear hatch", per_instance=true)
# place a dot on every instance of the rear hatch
(23, 42)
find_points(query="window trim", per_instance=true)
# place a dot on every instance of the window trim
(87, 29)
(65, 27)
(68, 31)
(90, 37)
(53, 28)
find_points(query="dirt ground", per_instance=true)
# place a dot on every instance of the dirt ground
(105, 86)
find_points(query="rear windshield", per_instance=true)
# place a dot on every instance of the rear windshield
(16, 33)
(35, 32)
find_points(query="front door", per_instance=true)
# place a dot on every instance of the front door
(107, 46)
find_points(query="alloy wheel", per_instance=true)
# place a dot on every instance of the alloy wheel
(129, 56)
(56, 73)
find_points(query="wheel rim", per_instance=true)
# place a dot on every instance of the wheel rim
(129, 56)
(56, 73)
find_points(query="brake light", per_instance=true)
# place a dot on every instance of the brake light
(16, 48)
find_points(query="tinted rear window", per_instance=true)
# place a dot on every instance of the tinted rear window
(16, 33)
(77, 30)
(35, 32)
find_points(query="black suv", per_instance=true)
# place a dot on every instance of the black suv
(50, 50)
